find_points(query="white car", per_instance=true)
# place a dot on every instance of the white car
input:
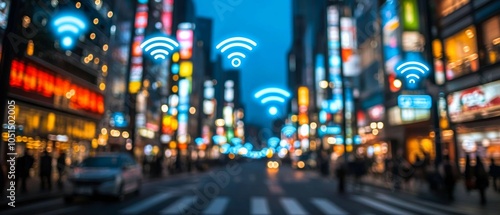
(109, 174)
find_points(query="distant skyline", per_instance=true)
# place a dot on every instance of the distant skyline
(267, 22)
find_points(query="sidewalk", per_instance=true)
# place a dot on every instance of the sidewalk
(463, 199)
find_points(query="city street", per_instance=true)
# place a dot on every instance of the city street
(250, 188)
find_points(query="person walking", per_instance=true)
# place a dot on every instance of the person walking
(61, 168)
(482, 179)
(470, 184)
(45, 171)
(450, 177)
(23, 166)
(495, 174)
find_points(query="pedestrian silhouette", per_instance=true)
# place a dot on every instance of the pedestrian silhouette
(46, 171)
(482, 179)
(23, 167)
(470, 184)
(450, 177)
(494, 173)
(61, 167)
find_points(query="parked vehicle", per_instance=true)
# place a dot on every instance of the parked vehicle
(108, 174)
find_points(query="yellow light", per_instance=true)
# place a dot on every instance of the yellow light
(78, 5)
(375, 131)
(31, 48)
(125, 134)
(175, 77)
(26, 21)
(220, 122)
(186, 69)
(92, 36)
(102, 86)
(175, 57)
(110, 14)
(104, 68)
(175, 89)
(314, 125)
(90, 57)
(331, 140)
(323, 84)
(105, 47)
(294, 118)
(97, 2)
(373, 125)
(397, 83)
(303, 96)
(380, 125)
(301, 164)
(96, 21)
(269, 165)
(231, 156)
(172, 145)
(349, 148)
(96, 60)
(192, 110)
(94, 141)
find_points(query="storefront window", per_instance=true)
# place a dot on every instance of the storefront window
(461, 53)
(448, 6)
(491, 39)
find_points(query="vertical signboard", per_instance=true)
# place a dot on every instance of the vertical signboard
(320, 78)
(391, 40)
(350, 57)
(185, 37)
(141, 22)
(166, 16)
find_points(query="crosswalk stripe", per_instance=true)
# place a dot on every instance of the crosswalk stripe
(179, 206)
(327, 207)
(217, 206)
(147, 203)
(380, 206)
(259, 206)
(441, 207)
(292, 207)
(407, 205)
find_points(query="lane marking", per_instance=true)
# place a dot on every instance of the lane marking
(148, 203)
(179, 206)
(259, 206)
(292, 207)
(407, 205)
(328, 207)
(380, 206)
(217, 206)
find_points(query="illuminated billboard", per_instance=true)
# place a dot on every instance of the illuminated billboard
(141, 22)
(350, 57)
(185, 38)
(166, 16)
(475, 103)
(390, 32)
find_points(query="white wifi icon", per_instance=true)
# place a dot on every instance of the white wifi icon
(68, 28)
(159, 47)
(236, 43)
(412, 71)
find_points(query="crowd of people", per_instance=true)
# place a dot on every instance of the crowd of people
(399, 173)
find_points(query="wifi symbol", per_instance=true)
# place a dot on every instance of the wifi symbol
(288, 130)
(275, 95)
(412, 71)
(68, 28)
(236, 42)
(159, 47)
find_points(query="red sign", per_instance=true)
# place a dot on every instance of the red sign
(32, 79)
(185, 38)
(477, 102)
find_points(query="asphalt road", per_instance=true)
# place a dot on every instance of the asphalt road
(248, 188)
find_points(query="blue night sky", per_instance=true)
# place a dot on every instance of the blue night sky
(267, 22)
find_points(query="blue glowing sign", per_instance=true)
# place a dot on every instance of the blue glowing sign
(119, 120)
(160, 47)
(412, 72)
(236, 42)
(175, 68)
(68, 26)
(415, 101)
(329, 130)
(272, 95)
